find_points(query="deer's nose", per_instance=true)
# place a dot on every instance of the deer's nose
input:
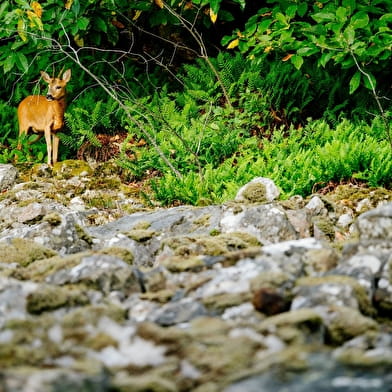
(49, 97)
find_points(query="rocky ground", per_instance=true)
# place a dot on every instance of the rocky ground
(100, 293)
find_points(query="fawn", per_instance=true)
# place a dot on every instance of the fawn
(45, 114)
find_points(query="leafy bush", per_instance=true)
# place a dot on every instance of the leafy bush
(352, 36)
(305, 159)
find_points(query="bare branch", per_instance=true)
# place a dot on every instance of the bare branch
(376, 97)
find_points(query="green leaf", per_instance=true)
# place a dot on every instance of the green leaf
(100, 24)
(215, 4)
(291, 11)
(21, 62)
(82, 23)
(226, 16)
(386, 17)
(297, 61)
(323, 17)
(251, 29)
(242, 3)
(325, 57)
(281, 18)
(367, 83)
(3, 7)
(8, 63)
(307, 51)
(355, 81)
(349, 35)
(264, 25)
(341, 14)
(350, 5)
(359, 20)
(17, 44)
(302, 8)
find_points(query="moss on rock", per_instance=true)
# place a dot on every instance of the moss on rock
(40, 269)
(140, 235)
(122, 253)
(182, 264)
(48, 298)
(71, 168)
(216, 245)
(353, 197)
(345, 323)
(23, 252)
(255, 193)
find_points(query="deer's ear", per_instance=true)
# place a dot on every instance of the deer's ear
(67, 75)
(46, 77)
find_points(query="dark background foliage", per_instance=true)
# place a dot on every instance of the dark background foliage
(196, 87)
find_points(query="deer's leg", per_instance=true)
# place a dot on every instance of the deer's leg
(48, 145)
(56, 141)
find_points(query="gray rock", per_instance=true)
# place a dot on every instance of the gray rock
(178, 312)
(267, 222)
(383, 292)
(370, 349)
(178, 299)
(376, 224)
(324, 294)
(315, 205)
(13, 294)
(105, 272)
(53, 380)
(8, 175)
(63, 234)
(322, 374)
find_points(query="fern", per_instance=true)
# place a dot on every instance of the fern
(83, 125)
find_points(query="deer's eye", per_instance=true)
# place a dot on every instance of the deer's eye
(58, 87)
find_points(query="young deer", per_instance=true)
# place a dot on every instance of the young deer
(45, 114)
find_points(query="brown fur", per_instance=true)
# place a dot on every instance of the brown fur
(45, 114)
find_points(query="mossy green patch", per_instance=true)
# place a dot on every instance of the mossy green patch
(220, 302)
(82, 234)
(161, 296)
(203, 220)
(140, 235)
(142, 225)
(350, 195)
(326, 226)
(40, 269)
(99, 341)
(53, 218)
(182, 264)
(71, 168)
(304, 319)
(346, 323)
(91, 314)
(220, 356)
(148, 381)
(122, 253)
(23, 252)
(49, 297)
(270, 279)
(220, 244)
(255, 193)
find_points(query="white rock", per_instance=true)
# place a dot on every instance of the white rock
(271, 190)
(8, 175)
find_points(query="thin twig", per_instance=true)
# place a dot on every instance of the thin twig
(73, 55)
(376, 97)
